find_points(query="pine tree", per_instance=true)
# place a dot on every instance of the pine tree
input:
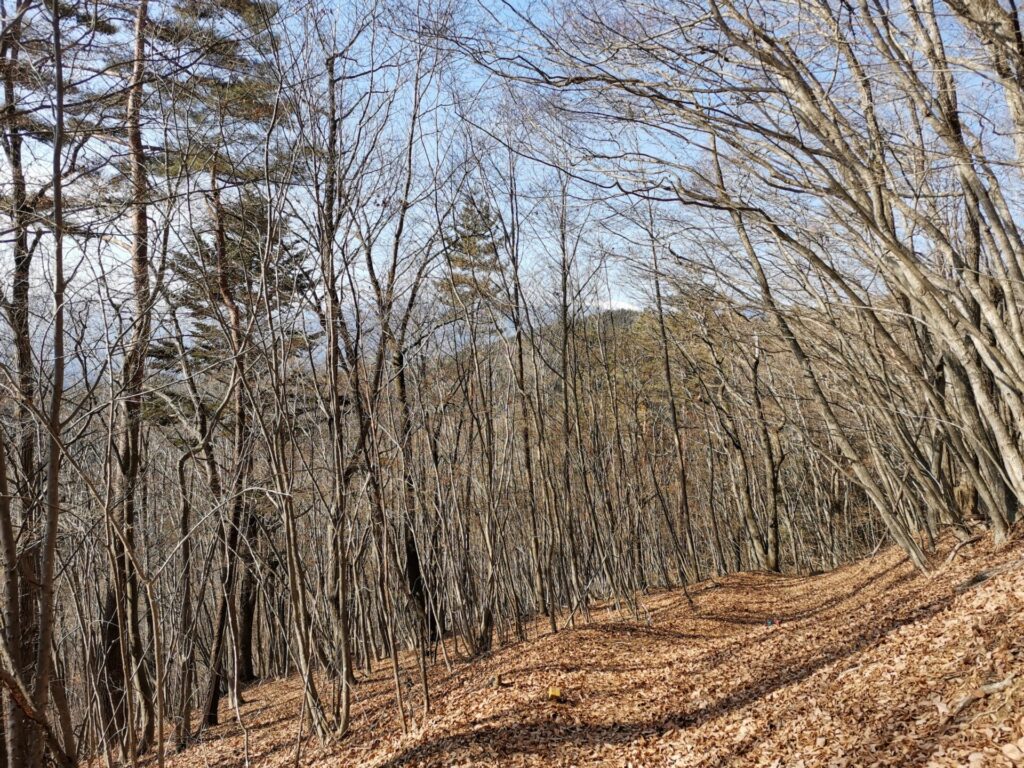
(204, 62)
(472, 263)
(231, 102)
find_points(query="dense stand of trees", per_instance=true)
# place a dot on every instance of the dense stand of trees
(337, 335)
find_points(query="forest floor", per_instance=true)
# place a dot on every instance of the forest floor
(869, 665)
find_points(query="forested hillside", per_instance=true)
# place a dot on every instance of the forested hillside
(339, 337)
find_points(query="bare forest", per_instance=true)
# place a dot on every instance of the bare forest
(347, 336)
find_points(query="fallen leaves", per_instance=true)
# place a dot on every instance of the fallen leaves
(871, 665)
(1014, 752)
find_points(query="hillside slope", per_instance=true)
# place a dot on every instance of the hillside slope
(870, 665)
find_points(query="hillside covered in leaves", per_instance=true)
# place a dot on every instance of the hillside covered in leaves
(870, 665)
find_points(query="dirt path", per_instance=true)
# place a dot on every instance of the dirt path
(869, 665)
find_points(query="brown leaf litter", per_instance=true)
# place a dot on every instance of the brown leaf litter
(870, 665)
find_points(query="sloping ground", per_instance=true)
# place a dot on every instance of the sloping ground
(871, 665)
